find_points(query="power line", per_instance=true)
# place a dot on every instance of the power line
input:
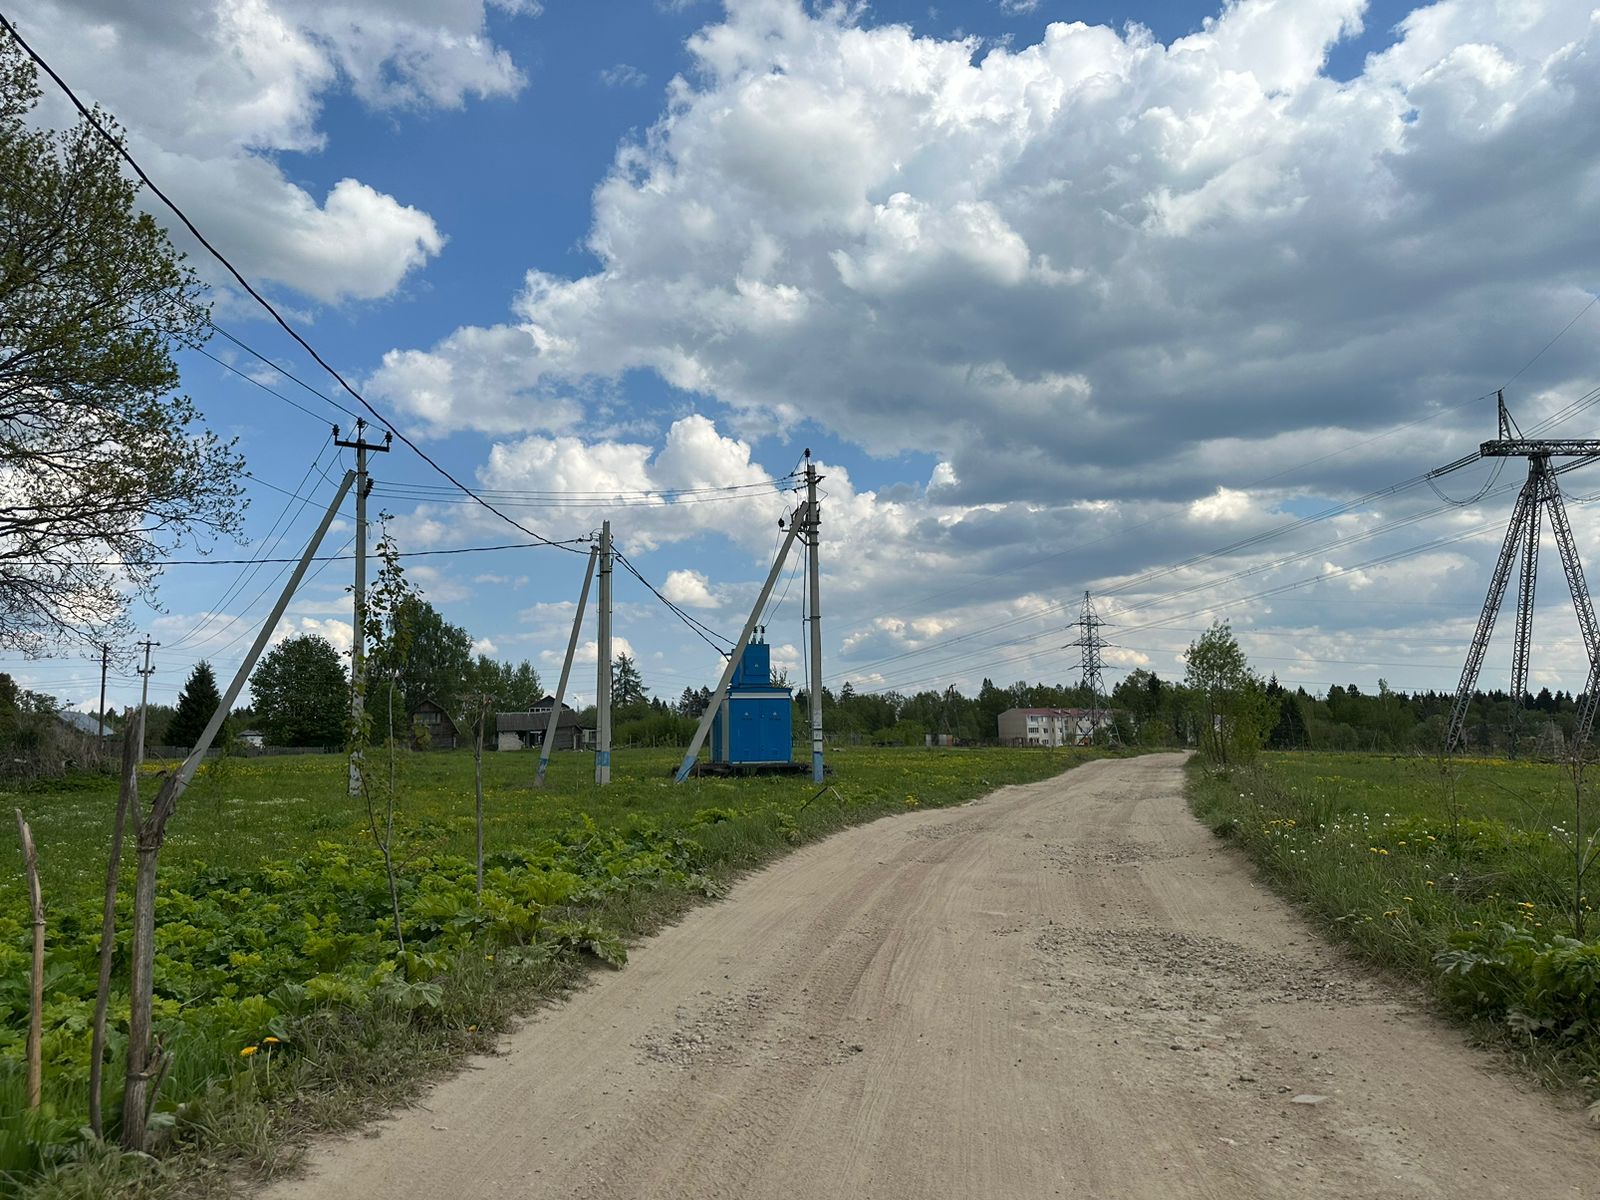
(281, 370)
(268, 544)
(227, 366)
(327, 558)
(1592, 301)
(771, 484)
(122, 151)
(695, 626)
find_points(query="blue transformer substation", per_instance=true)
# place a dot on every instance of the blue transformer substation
(754, 727)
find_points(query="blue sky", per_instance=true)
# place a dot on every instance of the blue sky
(1055, 309)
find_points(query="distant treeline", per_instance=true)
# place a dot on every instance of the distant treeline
(1152, 711)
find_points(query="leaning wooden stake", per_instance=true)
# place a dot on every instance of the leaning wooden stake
(30, 859)
(127, 800)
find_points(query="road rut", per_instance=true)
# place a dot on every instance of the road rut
(1065, 989)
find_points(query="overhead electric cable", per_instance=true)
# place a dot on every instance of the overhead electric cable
(699, 628)
(271, 391)
(281, 370)
(269, 542)
(1592, 301)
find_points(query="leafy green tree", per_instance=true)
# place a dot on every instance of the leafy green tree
(436, 661)
(100, 462)
(1234, 709)
(197, 702)
(301, 693)
(511, 688)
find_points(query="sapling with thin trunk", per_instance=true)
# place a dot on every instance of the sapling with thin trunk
(389, 634)
(127, 800)
(30, 862)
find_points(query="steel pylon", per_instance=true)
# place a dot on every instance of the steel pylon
(1540, 492)
(1091, 643)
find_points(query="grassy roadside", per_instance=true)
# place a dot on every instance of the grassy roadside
(1462, 878)
(280, 986)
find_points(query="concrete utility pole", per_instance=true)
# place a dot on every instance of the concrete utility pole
(602, 682)
(144, 692)
(814, 574)
(554, 723)
(105, 662)
(358, 652)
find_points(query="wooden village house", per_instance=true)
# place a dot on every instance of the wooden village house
(526, 730)
(431, 719)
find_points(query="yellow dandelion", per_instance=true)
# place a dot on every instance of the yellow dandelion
(248, 1051)
(269, 1041)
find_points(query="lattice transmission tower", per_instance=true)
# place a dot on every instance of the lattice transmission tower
(1539, 493)
(1091, 644)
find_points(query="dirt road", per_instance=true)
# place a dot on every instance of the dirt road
(1065, 989)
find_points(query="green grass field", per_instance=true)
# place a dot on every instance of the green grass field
(1465, 877)
(244, 811)
(276, 939)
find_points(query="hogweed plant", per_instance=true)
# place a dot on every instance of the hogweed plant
(1582, 844)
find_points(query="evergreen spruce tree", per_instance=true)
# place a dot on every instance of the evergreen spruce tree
(199, 700)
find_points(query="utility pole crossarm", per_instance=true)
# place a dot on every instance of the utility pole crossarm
(1535, 447)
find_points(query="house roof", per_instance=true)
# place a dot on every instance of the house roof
(525, 722)
(85, 723)
(440, 709)
(1073, 713)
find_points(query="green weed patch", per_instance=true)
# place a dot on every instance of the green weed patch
(280, 988)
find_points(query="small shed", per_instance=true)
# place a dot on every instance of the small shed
(525, 730)
(432, 719)
(755, 726)
(252, 738)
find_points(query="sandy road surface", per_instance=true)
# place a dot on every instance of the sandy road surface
(1064, 989)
